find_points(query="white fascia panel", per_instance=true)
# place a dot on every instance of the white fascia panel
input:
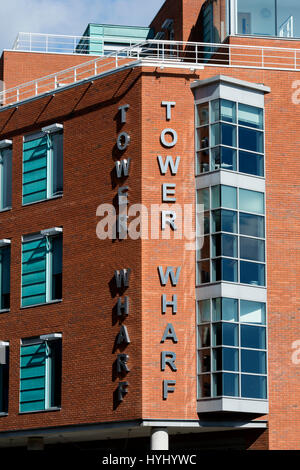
(240, 405)
(234, 291)
(230, 178)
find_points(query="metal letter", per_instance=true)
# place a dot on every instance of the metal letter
(163, 137)
(169, 334)
(122, 195)
(124, 110)
(123, 308)
(165, 304)
(122, 168)
(168, 190)
(123, 336)
(170, 272)
(122, 277)
(122, 390)
(122, 360)
(123, 136)
(168, 217)
(163, 166)
(168, 357)
(168, 387)
(169, 105)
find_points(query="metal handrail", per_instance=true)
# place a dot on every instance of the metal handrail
(177, 53)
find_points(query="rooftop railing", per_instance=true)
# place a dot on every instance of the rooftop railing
(161, 53)
(64, 44)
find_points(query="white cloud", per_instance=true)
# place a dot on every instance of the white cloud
(69, 16)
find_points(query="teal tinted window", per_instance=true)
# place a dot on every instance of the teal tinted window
(252, 201)
(250, 116)
(4, 378)
(40, 376)
(42, 167)
(41, 270)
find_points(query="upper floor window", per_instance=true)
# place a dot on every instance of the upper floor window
(5, 174)
(268, 18)
(4, 351)
(4, 275)
(40, 375)
(43, 164)
(42, 267)
(229, 136)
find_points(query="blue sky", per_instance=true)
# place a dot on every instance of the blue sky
(69, 16)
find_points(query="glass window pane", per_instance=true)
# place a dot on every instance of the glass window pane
(251, 163)
(224, 245)
(204, 385)
(203, 198)
(257, 18)
(202, 162)
(225, 221)
(224, 269)
(225, 334)
(6, 183)
(225, 385)
(202, 138)
(252, 225)
(228, 197)
(203, 272)
(202, 114)
(215, 197)
(204, 360)
(253, 362)
(215, 135)
(229, 309)
(206, 222)
(223, 157)
(251, 140)
(254, 386)
(252, 273)
(215, 110)
(253, 337)
(228, 111)
(252, 312)
(228, 135)
(288, 18)
(251, 201)
(203, 307)
(250, 116)
(204, 252)
(253, 249)
(225, 359)
(203, 336)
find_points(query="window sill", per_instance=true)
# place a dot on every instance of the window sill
(59, 196)
(3, 414)
(55, 408)
(5, 209)
(5, 310)
(40, 305)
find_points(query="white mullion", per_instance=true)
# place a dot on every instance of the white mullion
(47, 376)
(48, 269)
(49, 166)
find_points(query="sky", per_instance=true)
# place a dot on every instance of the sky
(69, 16)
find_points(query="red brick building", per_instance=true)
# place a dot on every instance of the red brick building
(117, 322)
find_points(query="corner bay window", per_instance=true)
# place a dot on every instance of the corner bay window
(232, 357)
(40, 373)
(229, 136)
(234, 236)
(43, 164)
(42, 267)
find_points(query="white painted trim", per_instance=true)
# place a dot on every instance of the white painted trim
(231, 178)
